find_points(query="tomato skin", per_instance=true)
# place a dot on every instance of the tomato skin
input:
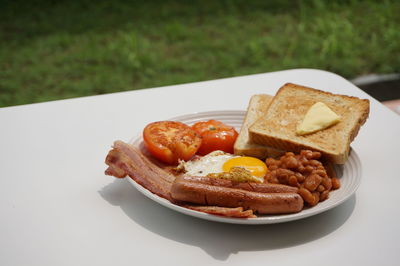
(215, 136)
(170, 141)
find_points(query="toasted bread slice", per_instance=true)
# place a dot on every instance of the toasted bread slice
(257, 108)
(288, 108)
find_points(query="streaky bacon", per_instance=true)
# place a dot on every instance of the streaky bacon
(126, 160)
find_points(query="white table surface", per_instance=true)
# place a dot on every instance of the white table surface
(58, 208)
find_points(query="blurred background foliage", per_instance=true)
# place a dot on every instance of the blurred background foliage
(62, 49)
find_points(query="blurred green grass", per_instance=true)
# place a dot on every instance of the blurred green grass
(62, 49)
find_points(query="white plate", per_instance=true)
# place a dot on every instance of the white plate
(349, 174)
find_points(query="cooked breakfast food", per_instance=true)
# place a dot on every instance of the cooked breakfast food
(215, 135)
(305, 172)
(261, 202)
(171, 141)
(209, 167)
(257, 108)
(126, 160)
(278, 127)
(225, 165)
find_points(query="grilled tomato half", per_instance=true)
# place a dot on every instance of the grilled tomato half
(170, 141)
(215, 136)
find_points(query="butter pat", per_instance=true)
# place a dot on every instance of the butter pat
(318, 117)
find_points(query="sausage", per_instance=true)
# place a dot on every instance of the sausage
(262, 203)
(255, 187)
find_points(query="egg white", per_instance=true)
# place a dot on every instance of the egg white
(210, 163)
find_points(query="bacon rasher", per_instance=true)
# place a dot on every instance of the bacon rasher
(126, 160)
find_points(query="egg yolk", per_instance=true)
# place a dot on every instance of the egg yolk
(254, 165)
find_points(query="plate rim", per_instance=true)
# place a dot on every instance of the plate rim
(265, 219)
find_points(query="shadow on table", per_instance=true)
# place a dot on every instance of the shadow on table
(220, 240)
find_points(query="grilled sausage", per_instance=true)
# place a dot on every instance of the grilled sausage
(262, 203)
(255, 187)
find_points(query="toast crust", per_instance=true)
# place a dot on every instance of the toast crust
(277, 128)
(257, 107)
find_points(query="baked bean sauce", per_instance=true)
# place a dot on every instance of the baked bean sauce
(305, 171)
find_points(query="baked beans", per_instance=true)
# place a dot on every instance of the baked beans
(305, 171)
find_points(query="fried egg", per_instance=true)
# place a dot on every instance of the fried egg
(221, 162)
